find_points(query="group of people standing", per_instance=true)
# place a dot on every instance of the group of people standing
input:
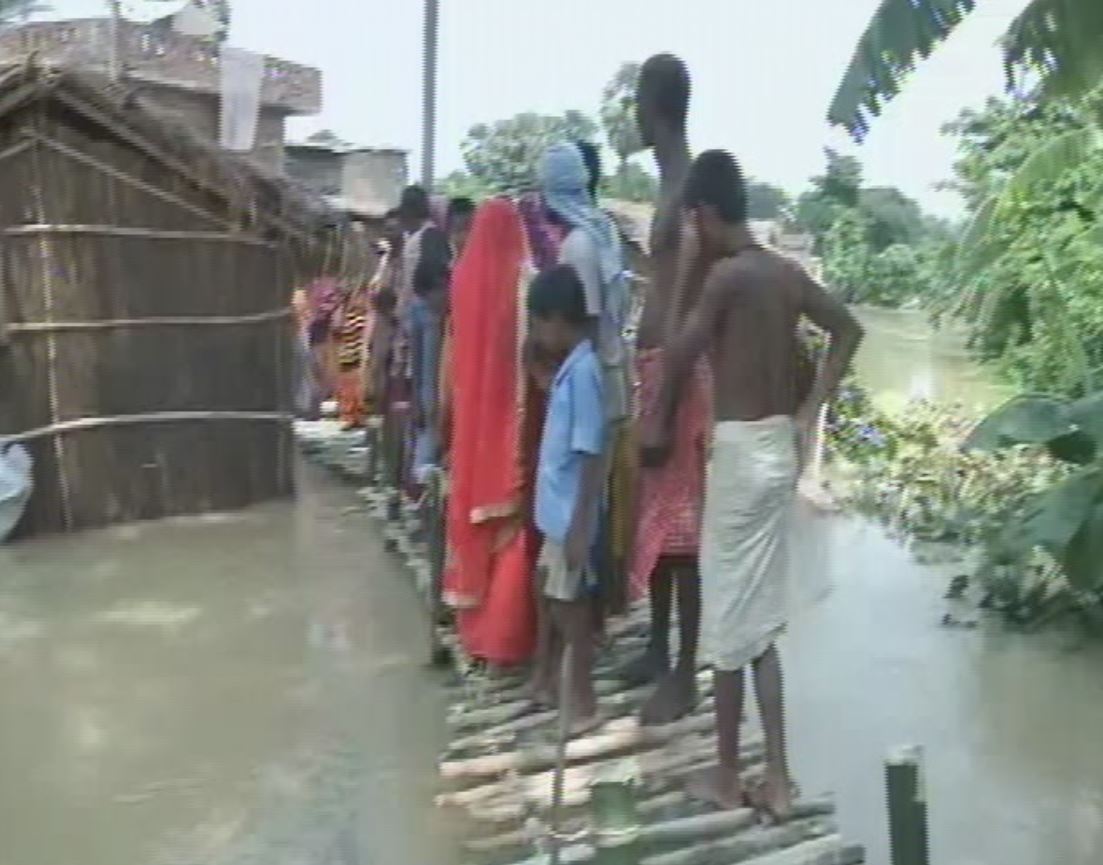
(575, 458)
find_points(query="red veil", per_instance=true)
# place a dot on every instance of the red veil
(490, 539)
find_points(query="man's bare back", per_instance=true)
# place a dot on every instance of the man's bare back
(755, 300)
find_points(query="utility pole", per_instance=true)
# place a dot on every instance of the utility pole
(429, 94)
(115, 60)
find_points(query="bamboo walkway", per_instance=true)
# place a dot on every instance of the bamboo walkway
(622, 798)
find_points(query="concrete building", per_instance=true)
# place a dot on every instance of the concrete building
(363, 181)
(174, 72)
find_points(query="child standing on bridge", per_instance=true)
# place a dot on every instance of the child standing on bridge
(569, 483)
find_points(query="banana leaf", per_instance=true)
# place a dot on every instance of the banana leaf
(900, 33)
(1057, 42)
(1031, 419)
(1083, 558)
(979, 246)
(1087, 414)
(1056, 516)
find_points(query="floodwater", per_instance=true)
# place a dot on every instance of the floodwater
(1010, 723)
(903, 358)
(248, 688)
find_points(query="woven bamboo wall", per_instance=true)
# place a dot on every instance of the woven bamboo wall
(137, 308)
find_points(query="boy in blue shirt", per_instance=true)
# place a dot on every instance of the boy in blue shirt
(569, 482)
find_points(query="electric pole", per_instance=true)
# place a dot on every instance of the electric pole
(115, 61)
(429, 95)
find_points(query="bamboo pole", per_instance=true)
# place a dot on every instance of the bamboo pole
(514, 838)
(561, 750)
(603, 744)
(907, 806)
(496, 800)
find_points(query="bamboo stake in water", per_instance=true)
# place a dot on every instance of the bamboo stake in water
(907, 806)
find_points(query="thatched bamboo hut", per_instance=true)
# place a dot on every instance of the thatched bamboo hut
(145, 353)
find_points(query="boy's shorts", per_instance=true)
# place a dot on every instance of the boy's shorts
(559, 582)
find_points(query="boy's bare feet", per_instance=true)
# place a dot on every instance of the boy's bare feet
(717, 786)
(675, 698)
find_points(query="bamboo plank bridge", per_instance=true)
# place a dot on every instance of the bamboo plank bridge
(621, 786)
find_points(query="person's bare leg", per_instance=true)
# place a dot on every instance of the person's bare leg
(575, 622)
(777, 789)
(676, 695)
(721, 785)
(543, 687)
(655, 660)
(598, 614)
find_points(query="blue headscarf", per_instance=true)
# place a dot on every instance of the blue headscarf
(565, 181)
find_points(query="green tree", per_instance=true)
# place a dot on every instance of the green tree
(460, 184)
(1030, 263)
(631, 183)
(766, 201)
(618, 116)
(847, 256)
(505, 155)
(832, 193)
(1057, 41)
(897, 276)
(893, 217)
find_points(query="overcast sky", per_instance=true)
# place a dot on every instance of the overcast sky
(763, 72)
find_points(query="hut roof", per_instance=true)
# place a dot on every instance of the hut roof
(270, 203)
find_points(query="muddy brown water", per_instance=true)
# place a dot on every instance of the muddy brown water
(241, 688)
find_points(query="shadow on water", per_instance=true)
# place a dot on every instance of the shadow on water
(243, 688)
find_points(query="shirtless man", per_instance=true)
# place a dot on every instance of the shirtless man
(746, 319)
(664, 556)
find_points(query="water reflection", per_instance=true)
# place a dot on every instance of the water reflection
(903, 358)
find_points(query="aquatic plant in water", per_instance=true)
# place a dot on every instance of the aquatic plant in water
(1024, 488)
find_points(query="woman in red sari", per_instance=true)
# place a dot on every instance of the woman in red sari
(492, 544)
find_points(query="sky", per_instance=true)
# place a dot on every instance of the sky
(763, 71)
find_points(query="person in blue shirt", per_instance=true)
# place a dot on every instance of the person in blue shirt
(569, 481)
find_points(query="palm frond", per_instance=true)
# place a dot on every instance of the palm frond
(900, 33)
(979, 247)
(1048, 162)
(1060, 42)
